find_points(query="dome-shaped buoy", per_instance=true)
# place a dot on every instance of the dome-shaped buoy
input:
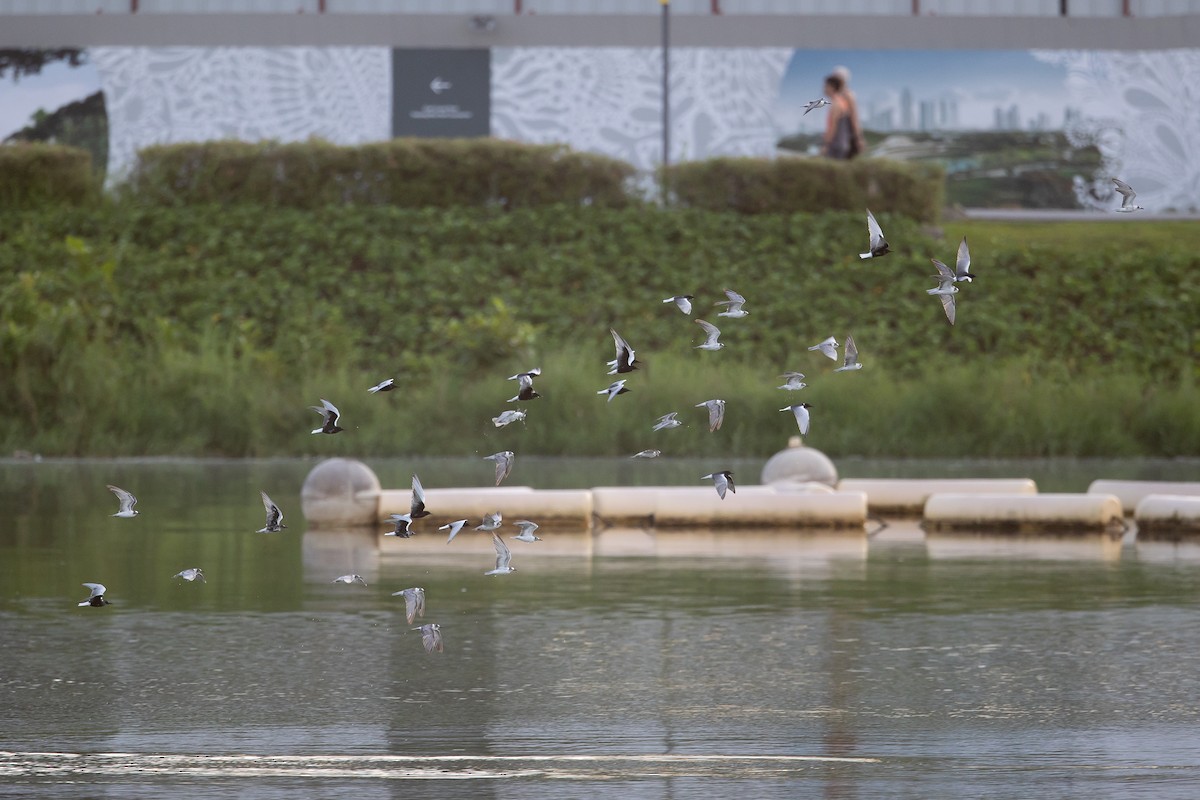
(340, 492)
(799, 464)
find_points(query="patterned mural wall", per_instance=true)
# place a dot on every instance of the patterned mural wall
(1142, 109)
(601, 99)
(1139, 109)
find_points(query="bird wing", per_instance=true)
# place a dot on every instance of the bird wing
(410, 605)
(712, 331)
(126, 499)
(716, 414)
(948, 306)
(944, 272)
(685, 305)
(874, 230)
(417, 507)
(828, 348)
(274, 515)
(722, 484)
(963, 264)
(1125, 190)
(331, 411)
(622, 347)
(96, 589)
(503, 554)
(431, 638)
(454, 528)
(734, 298)
(802, 418)
(851, 352)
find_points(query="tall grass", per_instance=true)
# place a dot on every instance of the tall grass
(217, 400)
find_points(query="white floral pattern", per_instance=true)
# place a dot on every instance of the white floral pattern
(173, 94)
(1142, 110)
(608, 100)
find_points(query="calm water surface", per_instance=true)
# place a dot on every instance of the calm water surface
(626, 664)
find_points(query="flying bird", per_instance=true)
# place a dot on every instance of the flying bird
(525, 385)
(801, 412)
(811, 104)
(527, 529)
(431, 637)
(625, 360)
(503, 558)
(509, 417)
(615, 388)
(403, 523)
(454, 528)
(962, 265)
(414, 602)
(722, 480)
(828, 348)
(349, 579)
(274, 516)
(879, 245)
(191, 574)
(713, 333)
(795, 381)
(504, 463)
(330, 416)
(382, 386)
(735, 303)
(667, 421)
(127, 502)
(682, 301)
(716, 413)
(97, 597)
(647, 454)
(490, 521)
(1128, 195)
(416, 507)
(850, 359)
(945, 290)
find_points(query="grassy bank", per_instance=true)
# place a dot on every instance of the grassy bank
(207, 330)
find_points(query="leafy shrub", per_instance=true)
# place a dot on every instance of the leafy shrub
(790, 185)
(410, 173)
(33, 173)
(1076, 338)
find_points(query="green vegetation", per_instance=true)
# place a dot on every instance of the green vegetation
(998, 169)
(81, 123)
(133, 329)
(410, 173)
(37, 174)
(790, 185)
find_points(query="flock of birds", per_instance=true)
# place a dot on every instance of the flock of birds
(624, 362)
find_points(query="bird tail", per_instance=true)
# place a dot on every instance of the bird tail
(373, 389)
(864, 255)
(317, 430)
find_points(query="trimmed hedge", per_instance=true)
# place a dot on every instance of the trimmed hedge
(790, 185)
(36, 174)
(409, 173)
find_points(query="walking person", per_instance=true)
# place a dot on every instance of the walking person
(843, 137)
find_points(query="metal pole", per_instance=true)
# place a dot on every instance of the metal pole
(1062, 8)
(666, 96)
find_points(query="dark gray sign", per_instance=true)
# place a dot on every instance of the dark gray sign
(441, 92)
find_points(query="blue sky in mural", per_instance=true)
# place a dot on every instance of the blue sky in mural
(51, 89)
(930, 89)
